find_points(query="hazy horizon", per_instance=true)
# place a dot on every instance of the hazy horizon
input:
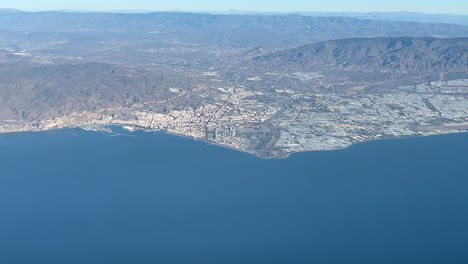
(452, 7)
(231, 11)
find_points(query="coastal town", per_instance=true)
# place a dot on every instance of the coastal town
(314, 122)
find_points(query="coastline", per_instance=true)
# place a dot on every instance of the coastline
(381, 139)
(256, 155)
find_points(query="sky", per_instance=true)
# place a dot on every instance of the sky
(425, 6)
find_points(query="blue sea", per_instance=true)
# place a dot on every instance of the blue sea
(73, 196)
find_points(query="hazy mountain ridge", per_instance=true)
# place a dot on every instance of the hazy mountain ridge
(398, 16)
(400, 54)
(10, 10)
(253, 30)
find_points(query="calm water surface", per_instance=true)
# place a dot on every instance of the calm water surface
(156, 198)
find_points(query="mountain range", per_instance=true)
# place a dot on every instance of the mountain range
(235, 30)
(393, 53)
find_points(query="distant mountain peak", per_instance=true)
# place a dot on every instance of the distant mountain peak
(10, 10)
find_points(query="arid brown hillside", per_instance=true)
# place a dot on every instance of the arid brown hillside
(396, 54)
